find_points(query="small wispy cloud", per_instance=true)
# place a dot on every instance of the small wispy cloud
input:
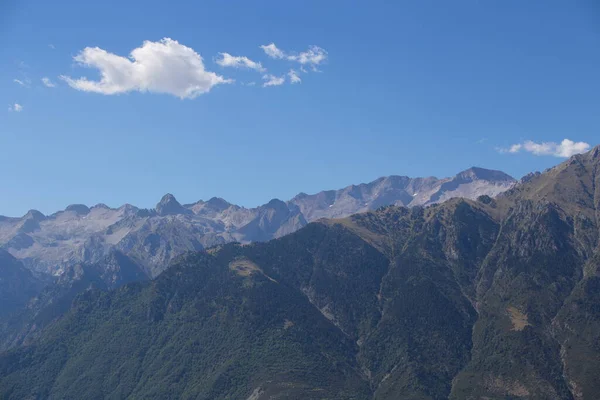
(564, 149)
(25, 82)
(272, 80)
(314, 56)
(51, 46)
(15, 107)
(294, 78)
(272, 51)
(227, 60)
(47, 82)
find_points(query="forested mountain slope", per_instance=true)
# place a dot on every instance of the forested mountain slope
(493, 298)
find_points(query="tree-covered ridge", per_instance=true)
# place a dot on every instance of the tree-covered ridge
(494, 298)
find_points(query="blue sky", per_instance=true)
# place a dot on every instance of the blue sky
(412, 88)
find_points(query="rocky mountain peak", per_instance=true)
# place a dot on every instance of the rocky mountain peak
(128, 209)
(169, 205)
(34, 215)
(595, 153)
(79, 209)
(476, 173)
(300, 196)
(276, 204)
(218, 203)
(530, 176)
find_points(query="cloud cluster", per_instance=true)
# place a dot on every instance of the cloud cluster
(165, 66)
(15, 107)
(565, 149)
(227, 60)
(312, 57)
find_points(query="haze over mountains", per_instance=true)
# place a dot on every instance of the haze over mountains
(154, 237)
(492, 298)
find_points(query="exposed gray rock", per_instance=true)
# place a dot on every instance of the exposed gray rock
(168, 205)
(154, 237)
(402, 191)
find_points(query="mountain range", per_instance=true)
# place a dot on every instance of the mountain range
(490, 298)
(154, 237)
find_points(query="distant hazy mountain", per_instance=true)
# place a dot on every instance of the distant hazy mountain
(154, 237)
(485, 299)
(401, 191)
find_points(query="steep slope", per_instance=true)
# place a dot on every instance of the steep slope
(203, 330)
(27, 321)
(17, 284)
(155, 237)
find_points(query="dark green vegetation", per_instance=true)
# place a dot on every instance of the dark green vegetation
(489, 299)
(40, 305)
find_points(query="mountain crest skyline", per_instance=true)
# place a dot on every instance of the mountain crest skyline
(79, 233)
(170, 201)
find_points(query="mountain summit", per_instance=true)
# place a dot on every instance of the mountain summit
(155, 237)
(169, 205)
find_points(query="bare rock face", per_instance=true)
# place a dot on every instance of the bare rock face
(402, 191)
(155, 237)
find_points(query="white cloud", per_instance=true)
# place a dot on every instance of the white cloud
(314, 56)
(158, 67)
(15, 107)
(272, 51)
(23, 82)
(51, 46)
(227, 60)
(566, 148)
(47, 82)
(272, 80)
(294, 78)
